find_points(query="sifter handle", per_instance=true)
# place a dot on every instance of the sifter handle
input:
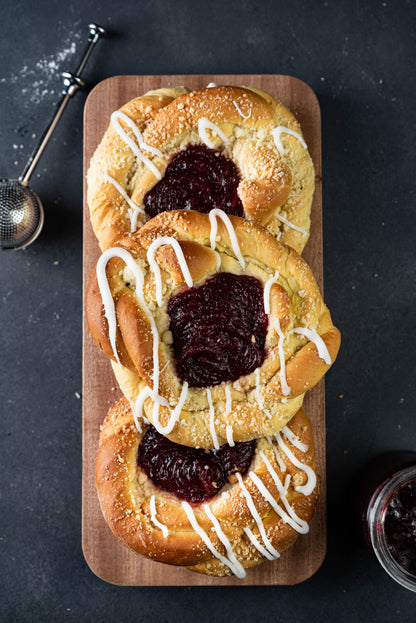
(72, 82)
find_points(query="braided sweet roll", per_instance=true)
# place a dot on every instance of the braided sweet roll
(217, 512)
(233, 148)
(215, 329)
(109, 177)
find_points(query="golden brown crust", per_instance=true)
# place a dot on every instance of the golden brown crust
(113, 157)
(273, 183)
(259, 404)
(125, 494)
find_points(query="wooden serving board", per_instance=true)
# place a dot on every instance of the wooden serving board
(107, 557)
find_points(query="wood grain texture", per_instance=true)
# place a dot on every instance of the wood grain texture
(108, 558)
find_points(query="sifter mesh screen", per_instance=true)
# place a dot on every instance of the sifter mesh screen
(21, 214)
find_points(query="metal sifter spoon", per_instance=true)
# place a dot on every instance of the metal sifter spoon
(21, 212)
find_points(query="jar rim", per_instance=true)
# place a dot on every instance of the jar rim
(376, 514)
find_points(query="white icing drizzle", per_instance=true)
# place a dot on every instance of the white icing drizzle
(281, 129)
(311, 334)
(165, 366)
(228, 402)
(133, 146)
(135, 411)
(136, 421)
(280, 461)
(133, 219)
(121, 115)
(297, 524)
(201, 532)
(267, 305)
(218, 259)
(231, 232)
(229, 432)
(138, 407)
(287, 483)
(174, 413)
(235, 566)
(282, 371)
(256, 517)
(259, 547)
(291, 225)
(156, 270)
(203, 125)
(110, 313)
(109, 308)
(290, 435)
(289, 516)
(154, 519)
(211, 84)
(267, 290)
(134, 210)
(240, 112)
(310, 484)
(314, 337)
(159, 400)
(211, 420)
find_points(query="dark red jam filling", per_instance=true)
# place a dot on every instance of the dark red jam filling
(400, 527)
(219, 329)
(194, 475)
(196, 178)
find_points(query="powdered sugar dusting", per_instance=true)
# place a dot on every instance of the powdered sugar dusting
(38, 81)
(41, 79)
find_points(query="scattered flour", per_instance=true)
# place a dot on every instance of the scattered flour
(41, 78)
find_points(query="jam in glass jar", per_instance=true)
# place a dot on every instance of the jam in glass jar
(390, 522)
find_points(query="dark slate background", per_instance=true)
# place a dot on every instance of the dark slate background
(359, 57)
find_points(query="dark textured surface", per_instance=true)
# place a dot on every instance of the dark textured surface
(359, 59)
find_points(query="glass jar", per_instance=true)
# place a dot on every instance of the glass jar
(390, 522)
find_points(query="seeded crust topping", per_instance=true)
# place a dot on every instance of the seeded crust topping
(214, 325)
(154, 522)
(276, 180)
(254, 404)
